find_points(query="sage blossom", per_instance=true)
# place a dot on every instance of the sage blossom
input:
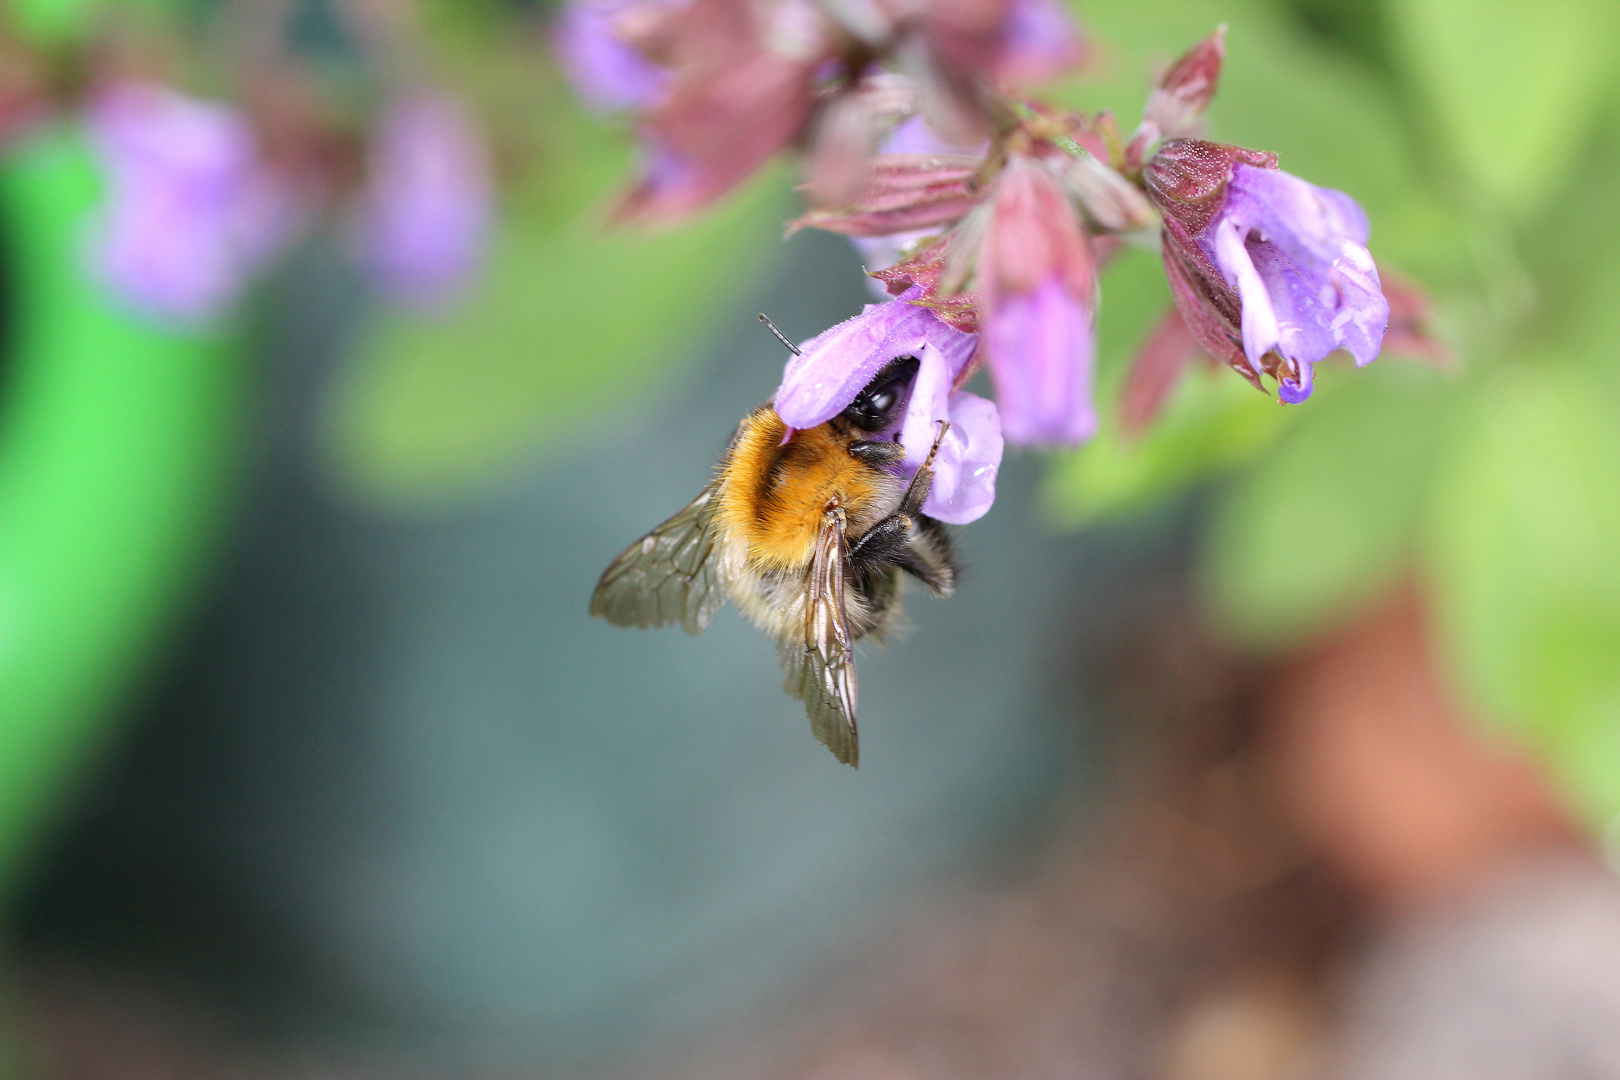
(190, 211)
(836, 365)
(1271, 273)
(1037, 278)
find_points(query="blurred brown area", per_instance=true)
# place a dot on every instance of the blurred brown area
(1310, 868)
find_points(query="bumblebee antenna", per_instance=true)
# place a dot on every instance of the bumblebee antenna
(792, 348)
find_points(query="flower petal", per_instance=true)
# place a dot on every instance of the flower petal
(1041, 350)
(969, 459)
(430, 201)
(834, 366)
(190, 211)
(1260, 330)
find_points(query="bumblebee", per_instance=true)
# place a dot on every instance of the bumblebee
(808, 531)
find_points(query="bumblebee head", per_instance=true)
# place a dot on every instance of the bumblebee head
(878, 406)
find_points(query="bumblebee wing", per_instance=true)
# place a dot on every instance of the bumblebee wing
(670, 575)
(820, 665)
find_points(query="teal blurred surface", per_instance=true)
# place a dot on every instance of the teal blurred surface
(403, 788)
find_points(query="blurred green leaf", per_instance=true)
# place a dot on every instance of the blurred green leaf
(572, 319)
(117, 447)
(1212, 422)
(1512, 88)
(1328, 518)
(1525, 556)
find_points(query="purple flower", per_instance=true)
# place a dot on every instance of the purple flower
(190, 212)
(1270, 273)
(607, 72)
(1040, 41)
(1038, 276)
(1296, 255)
(836, 365)
(429, 201)
(969, 456)
(1041, 352)
(914, 136)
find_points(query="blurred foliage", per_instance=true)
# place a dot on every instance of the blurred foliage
(118, 441)
(572, 320)
(1477, 136)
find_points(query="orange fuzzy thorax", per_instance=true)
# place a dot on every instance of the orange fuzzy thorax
(772, 496)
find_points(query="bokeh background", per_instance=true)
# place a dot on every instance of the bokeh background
(1278, 742)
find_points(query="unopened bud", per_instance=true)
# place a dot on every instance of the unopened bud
(1182, 95)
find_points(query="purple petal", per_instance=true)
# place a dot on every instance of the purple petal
(430, 201)
(607, 73)
(189, 213)
(1040, 41)
(1309, 221)
(1296, 255)
(836, 365)
(1041, 350)
(1260, 330)
(1295, 390)
(969, 458)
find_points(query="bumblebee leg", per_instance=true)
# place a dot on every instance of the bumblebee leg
(877, 452)
(918, 545)
(923, 482)
(883, 545)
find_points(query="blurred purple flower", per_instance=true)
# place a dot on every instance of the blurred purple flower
(1038, 276)
(429, 201)
(836, 365)
(914, 136)
(607, 71)
(1296, 255)
(1040, 41)
(190, 212)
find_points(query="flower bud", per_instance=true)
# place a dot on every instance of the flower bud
(1183, 94)
(1037, 275)
(742, 90)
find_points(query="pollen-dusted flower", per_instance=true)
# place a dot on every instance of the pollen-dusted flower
(190, 212)
(1037, 278)
(1271, 273)
(596, 43)
(429, 200)
(833, 367)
